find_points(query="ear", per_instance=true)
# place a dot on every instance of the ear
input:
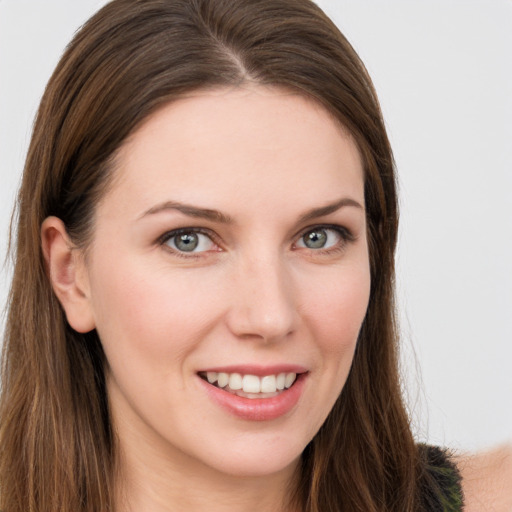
(66, 269)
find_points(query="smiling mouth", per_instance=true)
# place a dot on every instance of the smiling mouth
(250, 386)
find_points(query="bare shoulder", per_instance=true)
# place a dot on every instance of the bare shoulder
(487, 479)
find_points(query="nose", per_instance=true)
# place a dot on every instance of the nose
(262, 301)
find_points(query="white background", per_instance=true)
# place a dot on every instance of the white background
(443, 71)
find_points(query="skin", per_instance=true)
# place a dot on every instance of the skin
(487, 479)
(254, 293)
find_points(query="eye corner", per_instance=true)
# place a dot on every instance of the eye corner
(332, 238)
(195, 242)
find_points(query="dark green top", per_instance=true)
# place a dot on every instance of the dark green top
(441, 482)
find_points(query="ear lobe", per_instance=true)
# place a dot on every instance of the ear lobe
(67, 273)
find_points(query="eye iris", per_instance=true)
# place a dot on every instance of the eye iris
(315, 239)
(186, 241)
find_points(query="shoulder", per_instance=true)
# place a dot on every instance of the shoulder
(487, 479)
(440, 483)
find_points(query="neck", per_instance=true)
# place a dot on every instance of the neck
(163, 486)
(155, 479)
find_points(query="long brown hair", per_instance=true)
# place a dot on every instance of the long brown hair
(57, 448)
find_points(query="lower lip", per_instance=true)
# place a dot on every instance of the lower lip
(257, 409)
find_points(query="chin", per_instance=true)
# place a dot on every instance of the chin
(259, 465)
(251, 458)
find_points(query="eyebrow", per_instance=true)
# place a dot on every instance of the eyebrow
(217, 216)
(191, 211)
(329, 208)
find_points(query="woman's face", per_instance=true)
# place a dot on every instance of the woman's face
(230, 261)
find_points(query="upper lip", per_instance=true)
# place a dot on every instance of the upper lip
(258, 370)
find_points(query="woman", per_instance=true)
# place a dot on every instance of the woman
(208, 321)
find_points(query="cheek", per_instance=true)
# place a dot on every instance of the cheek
(337, 309)
(152, 315)
(334, 314)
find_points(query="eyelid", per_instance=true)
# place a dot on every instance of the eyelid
(346, 235)
(342, 230)
(163, 239)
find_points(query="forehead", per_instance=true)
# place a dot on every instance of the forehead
(261, 145)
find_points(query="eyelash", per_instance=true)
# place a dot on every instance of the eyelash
(345, 235)
(182, 231)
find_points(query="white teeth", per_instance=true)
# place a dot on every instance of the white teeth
(252, 383)
(222, 380)
(268, 384)
(290, 379)
(235, 381)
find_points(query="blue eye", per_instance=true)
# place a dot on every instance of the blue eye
(188, 240)
(321, 238)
